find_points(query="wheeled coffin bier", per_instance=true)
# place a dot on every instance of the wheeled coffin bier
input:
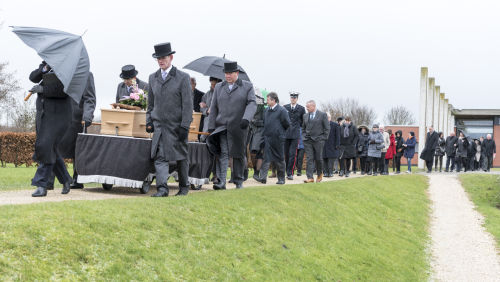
(133, 123)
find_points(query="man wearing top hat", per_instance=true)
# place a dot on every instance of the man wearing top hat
(295, 113)
(169, 114)
(129, 73)
(233, 107)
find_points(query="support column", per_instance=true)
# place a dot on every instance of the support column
(447, 113)
(435, 116)
(442, 113)
(424, 81)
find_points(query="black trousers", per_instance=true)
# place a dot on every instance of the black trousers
(448, 161)
(354, 164)
(397, 161)
(428, 164)
(290, 154)
(314, 155)
(461, 163)
(438, 159)
(381, 164)
(280, 168)
(345, 165)
(299, 160)
(363, 164)
(44, 173)
(373, 164)
(489, 162)
(328, 166)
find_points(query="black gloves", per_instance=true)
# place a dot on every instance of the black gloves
(372, 142)
(182, 133)
(150, 128)
(88, 123)
(244, 124)
(37, 89)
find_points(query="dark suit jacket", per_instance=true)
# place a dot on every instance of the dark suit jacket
(316, 129)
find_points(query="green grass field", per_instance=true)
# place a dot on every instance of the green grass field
(484, 191)
(372, 228)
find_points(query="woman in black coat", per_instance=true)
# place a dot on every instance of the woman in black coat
(400, 149)
(439, 152)
(331, 148)
(362, 148)
(461, 155)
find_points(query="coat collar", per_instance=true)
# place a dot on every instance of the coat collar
(171, 74)
(237, 84)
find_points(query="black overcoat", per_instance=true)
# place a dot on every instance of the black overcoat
(331, 148)
(430, 146)
(83, 111)
(276, 122)
(53, 116)
(450, 147)
(348, 143)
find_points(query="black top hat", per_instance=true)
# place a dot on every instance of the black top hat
(230, 67)
(128, 72)
(162, 50)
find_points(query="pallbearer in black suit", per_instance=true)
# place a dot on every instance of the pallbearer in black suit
(296, 114)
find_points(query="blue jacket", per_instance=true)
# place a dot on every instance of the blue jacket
(410, 147)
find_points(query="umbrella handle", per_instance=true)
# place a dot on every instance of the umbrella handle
(28, 97)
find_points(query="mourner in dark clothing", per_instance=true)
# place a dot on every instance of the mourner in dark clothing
(276, 122)
(299, 160)
(53, 118)
(490, 151)
(296, 114)
(197, 95)
(233, 107)
(81, 112)
(169, 115)
(399, 150)
(471, 153)
(450, 150)
(331, 148)
(409, 151)
(315, 130)
(348, 139)
(461, 156)
(439, 153)
(362, 148)
(205, 103)
(255, 135)
(129, 74)
(428, 152)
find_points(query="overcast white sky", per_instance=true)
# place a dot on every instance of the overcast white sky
(370, 50)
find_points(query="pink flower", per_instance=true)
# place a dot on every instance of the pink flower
(134, 96)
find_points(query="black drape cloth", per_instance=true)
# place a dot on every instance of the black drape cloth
(129, 158)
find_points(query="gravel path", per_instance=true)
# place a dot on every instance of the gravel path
(20, 197)
(462, 250)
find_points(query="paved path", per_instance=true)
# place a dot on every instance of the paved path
(24, 196)
(461, 248)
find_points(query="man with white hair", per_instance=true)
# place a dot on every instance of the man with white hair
(315, 130)
(490, 151)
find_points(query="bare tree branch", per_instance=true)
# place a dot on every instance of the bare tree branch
(399, 115)
(342, 107)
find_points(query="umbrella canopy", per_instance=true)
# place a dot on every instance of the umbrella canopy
(64, 52)
(213, 66)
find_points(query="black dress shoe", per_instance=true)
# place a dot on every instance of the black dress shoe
(183, 191)
(195, 187)
(347, 174)
(40, 192)
(66, 188)
(219, 186)
(280, 182)
(239, 185)
(290, 177)
(299, 174)
(261, 180)
(162, 192)
(341, 173)
(76, 185)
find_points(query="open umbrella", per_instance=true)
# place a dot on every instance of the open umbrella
(64, 52)
(213, 66)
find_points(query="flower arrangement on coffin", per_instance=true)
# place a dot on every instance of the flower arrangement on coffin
(137, 100)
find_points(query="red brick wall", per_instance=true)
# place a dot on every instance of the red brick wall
(496, 137)
(406, 130)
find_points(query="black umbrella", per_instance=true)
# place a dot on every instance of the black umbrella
(213, 66)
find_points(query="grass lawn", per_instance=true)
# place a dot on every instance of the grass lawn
(372, 228)
(484, 191)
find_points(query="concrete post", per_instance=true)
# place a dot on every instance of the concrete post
(424, 81)
(442, 113)
(447, 113)
(435, 116)
(429, 110)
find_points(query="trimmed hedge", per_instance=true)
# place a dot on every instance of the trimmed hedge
(17, 148)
